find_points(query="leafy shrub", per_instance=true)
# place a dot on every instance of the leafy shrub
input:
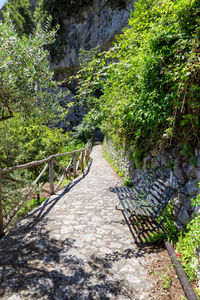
(168, 230)
(22, 141)
(33, 203)
(21, 16)
(26, 81)
(188, 243)
(146, 87)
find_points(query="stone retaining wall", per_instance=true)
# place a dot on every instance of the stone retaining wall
(168, 165)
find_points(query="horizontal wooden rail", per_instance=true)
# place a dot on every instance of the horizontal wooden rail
(77, 162)
(37, 162)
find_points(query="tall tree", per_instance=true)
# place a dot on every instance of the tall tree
(26, 81)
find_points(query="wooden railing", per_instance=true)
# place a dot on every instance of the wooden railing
(79, 159)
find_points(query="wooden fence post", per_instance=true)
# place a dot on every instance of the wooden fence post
(74, 164)
(1, 210)
(82, 160)
(87, 155)
(51, 176)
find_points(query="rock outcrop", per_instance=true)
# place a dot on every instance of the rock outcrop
(94, 25)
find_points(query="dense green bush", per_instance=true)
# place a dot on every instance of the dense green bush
(23, 140)
(188, 245)
(26, 81)
(147, 86)
(20, 13)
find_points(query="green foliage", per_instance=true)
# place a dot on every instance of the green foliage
(147, 86)
(187, 151)
(142, 6)
(138, 156)
(83, 131)
(26, 142)
(168, 231)
(26, 81)
(128, 182)
(69, 146)
(23, 140)
(86, 129)
(20, 14)
(166, 280)
(28, 98)
(33, 203)
(29, 103)
(188, 243)
(170, 165)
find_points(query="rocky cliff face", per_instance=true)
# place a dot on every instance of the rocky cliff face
(95, 24)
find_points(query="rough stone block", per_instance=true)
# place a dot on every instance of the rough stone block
(192, 187)
(179, 174)
(190, 171)
(163, 161)
(173, 181)
(183, 216)
(188, 206)
(155, 164)
(182, 198)
(198, 161)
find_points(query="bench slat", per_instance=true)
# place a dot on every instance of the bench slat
(123, 197)
(124, 207)
(140, 201)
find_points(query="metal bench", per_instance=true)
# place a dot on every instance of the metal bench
(147, 199)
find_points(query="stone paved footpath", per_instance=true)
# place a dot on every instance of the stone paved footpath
(75, 246)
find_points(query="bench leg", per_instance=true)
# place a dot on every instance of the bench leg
(153, 228)
(117, 207)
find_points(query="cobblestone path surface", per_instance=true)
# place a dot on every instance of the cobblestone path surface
(75, 246)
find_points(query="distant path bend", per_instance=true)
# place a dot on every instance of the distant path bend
(75, 246)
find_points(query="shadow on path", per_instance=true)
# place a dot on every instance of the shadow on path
(40, 267)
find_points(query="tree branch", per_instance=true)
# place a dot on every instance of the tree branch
(6, 118)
